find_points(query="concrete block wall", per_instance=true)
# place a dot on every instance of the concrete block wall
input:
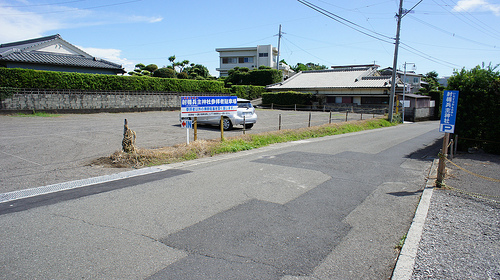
(423, 113)
(98, 102)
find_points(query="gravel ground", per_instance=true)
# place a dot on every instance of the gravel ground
(461, 237)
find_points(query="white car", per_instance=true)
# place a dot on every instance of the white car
(245, 115)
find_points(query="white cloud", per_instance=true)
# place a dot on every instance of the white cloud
(143, 19)
(17, 25)
(474, 5)
(113, 55)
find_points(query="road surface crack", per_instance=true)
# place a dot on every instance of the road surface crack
(109, 227)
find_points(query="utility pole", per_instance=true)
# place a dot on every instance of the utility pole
(279, 41)
(395, 63)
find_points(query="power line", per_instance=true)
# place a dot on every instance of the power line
(343, 21)
(77, 9)
(307, 51)
(405, 46)
(450, 33)
(487, 30)
(38, 5)
(426, 56)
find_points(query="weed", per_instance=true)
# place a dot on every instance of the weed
(203, 148)
(37, 114)
(401, 242)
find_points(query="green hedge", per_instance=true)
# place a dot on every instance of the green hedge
(248, 92)
(26, 78)
(287, 98)
(264, 77)
(478, 108)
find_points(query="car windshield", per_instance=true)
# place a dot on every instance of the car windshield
(244, 105)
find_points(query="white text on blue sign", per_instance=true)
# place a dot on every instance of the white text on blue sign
(449, 111)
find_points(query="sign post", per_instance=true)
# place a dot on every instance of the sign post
(202, 106)
(447, 125)
(187, 124)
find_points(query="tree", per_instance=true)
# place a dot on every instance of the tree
(432, 88)
(164, 72)
(431, 79)
(308, 66)
(478, 107)
(172, 60)
(197, 71)
(151, 68)
(181, 65)
(142, 70)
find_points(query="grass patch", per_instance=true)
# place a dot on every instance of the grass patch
(204, 148)
(37, 114)
(401, 242)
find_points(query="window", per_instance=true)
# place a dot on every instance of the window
(263, 54)
(245, 59)
(229, 60)
(416, 80)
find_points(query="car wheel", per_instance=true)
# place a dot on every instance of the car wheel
(227, 124)
(248, 125)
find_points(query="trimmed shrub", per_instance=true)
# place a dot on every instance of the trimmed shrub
(164, 73)
(239, 76)
(27, 78)
(287, 98)
(248, 92)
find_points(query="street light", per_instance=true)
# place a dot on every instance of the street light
(404, 87)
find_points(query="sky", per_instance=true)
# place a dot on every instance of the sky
(436, 35)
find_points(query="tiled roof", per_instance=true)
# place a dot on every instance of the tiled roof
(22, 45)
(26, 52)
(62, 60)
(364, 77)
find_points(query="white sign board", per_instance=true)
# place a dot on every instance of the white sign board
(187, 124)
(196, 106)
(406, 103)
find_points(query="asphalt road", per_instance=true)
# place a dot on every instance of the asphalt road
(39, 151)
(328, 208)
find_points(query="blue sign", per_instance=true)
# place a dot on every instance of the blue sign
(449, 111)
(195, 106)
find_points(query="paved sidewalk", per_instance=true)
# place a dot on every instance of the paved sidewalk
(460, 238)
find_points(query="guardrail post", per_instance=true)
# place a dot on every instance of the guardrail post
(195, 125)
(221, 127)
(244, 124)
(279, 122)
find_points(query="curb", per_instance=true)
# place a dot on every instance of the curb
(406, 259)
(16, 195)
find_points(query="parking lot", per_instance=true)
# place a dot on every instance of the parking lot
(39, 151)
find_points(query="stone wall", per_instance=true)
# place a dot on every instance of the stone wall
(81, 101)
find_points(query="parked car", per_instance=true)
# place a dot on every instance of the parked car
(245, 115)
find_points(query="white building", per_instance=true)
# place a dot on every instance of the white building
(250, 57)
